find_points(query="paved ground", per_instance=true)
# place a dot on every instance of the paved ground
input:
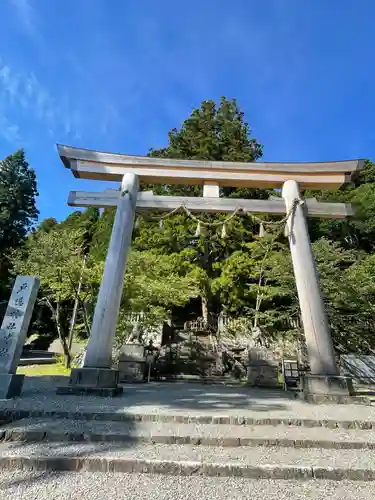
(184, 398)
(24, 485)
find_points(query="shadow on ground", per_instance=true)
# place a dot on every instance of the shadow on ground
(183, 398)
(63, 448)
(31, 477)
(179, 395)
(198, 397)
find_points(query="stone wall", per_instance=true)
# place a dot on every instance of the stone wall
(263, 368)
(204, 356)
(360, 367)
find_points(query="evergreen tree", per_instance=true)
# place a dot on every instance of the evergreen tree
(18, 212)
(217, 133)
(359, 230)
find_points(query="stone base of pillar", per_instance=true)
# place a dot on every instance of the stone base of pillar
(92, 382)
(330, 389)
(10, 385)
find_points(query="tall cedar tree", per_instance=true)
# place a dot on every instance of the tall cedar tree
(217, 133)
(18, 212)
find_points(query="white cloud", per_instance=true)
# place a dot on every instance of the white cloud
(10, 132)
(23, 92)
(27, 16)
(165, 71)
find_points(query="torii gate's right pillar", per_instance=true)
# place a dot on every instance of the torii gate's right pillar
(324, 381)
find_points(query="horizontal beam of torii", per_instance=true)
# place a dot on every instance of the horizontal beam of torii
(146, 201)
(96, 165)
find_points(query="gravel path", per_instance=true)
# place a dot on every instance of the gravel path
(62, 486)
(185, 399)
(228, 435)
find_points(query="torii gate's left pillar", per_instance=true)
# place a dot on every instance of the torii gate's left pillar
(96, 376)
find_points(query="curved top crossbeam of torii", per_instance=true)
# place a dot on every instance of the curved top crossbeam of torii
(89, 164)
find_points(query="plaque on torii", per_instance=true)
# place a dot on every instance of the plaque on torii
(96, 374)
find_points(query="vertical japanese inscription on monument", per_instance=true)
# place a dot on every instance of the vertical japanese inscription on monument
(16, 322)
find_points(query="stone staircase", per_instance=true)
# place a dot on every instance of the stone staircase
(182, 444)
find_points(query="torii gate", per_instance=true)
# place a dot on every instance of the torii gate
(96, 375)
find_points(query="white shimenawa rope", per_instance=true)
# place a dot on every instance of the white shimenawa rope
(262, 224)
(238, 210)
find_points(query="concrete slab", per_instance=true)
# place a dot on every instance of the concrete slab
(101, 382)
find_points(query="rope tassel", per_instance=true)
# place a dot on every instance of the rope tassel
(286, 231)
(161, 224)
(201, 229)
(262, 231)
(224, 232)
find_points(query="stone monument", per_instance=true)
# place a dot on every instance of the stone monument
(132, 363)
(263, 368)
(13, 334)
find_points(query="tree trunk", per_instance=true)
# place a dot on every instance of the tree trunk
(64, 344)
(75, 308)
(67, 360)
(85, 318)
(207, 298)
(60, 330)
(204, 309)
(208, 309)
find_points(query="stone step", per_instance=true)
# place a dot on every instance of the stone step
(36, 361)
(58, 430)
(105, 414)
(173, 459)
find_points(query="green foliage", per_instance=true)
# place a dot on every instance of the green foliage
(342, 275)
(154, 285)
(213, 133)
(333, 265)
(102, 234)
(239, 273)
(156, 280)
(217, 133)
(358, 231)
(55, 256)
(257, 282)
(17, 200)
(86, 223)
(18, 212)
(47, 225)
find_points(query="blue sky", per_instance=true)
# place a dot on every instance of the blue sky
(116, 75)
